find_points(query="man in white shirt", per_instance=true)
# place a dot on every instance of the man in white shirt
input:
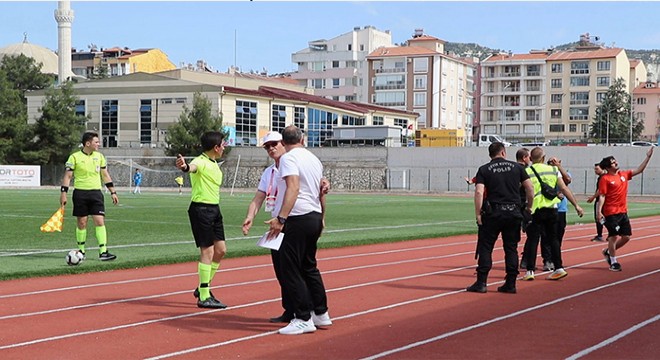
(301, 219)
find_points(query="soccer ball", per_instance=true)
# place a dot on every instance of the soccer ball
(74, 257)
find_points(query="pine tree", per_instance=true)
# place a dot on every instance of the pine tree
(612, 121)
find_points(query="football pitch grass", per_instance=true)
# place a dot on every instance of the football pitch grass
(153, 228)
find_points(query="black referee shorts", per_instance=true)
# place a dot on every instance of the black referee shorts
(88, 202)
(206, 224)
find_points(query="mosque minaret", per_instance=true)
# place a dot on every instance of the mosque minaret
(64, 18)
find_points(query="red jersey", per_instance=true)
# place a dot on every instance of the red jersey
(615, 189)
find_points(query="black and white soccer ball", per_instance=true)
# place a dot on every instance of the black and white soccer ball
(74, 257)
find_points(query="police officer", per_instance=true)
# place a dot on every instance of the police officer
(500, 213)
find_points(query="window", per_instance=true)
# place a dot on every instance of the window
(318, 83)
(556, 68)
(603, 66)
(389, 82)
(640, 101)
(350, 47)
(556, 127)
(335, 83)
(556, 98)
(555, 83)
(572, 127)
(603, 81)
(145, 121)
(278, 118)
(80, 108)
(420, 65)
(299, 117)
(335, 64)
(580, 98)
(533, 85)
(352, 120)
(419, 99)
(109, 122)
(390, 98)
(180, 100)
(318, 66)
(577, 113)
(580, 67)
(421, 120)
(403, 123)
(361, 47)
(351, 64)
(350, 98)
(377, 120)
(246, 123)
(533, 100)
(533, 70)
(166, 101)
(420, 82)
(555, 114)
(579, 81)
(600, 96)
(320, 125)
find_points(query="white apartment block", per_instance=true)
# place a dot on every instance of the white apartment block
(421, 77)
(336, 68)
(546, 96)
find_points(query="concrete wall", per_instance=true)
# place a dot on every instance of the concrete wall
(435, 170)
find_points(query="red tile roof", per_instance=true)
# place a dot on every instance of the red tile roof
(426, 38)
(502, 57)
(583, 55)
(401, 51)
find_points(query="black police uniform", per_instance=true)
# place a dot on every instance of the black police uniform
(502, 179)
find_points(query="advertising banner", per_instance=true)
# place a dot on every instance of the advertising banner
(20, 175)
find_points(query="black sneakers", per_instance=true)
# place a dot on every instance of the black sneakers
(606, 254)
(211, 303)
(477, 287)
(507, 289)
(106, 256)
(615, 267)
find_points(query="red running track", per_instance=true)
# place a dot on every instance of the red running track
(403, 300)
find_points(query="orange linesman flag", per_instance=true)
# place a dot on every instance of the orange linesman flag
(55, 222)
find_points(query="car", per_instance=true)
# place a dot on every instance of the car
(642, 143)
(532, 144)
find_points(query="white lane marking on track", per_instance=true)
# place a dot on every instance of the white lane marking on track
(613, 339)
(505, 317)
(146, 322)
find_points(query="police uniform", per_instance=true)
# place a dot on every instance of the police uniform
(501, 213)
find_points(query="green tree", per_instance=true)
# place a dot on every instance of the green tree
(100, 72)
(57, 132)
(183, 137)
(25, 74)
(612, 121)
(13, 122)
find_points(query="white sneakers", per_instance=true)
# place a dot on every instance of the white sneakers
(298, 326)
(529, 275)
(321, 320)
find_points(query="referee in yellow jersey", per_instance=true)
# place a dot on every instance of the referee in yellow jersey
(204, 214)
(87, 166)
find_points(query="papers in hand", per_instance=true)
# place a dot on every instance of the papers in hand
(273, 243)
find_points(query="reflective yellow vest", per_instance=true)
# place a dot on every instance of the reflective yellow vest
(549, 176)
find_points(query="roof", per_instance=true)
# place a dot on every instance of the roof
(503, 57)
(584, 55)
(401, 51)
(40, 54)
(265, 91)
(426, 38)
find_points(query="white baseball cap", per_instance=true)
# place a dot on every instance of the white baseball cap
(270, 137)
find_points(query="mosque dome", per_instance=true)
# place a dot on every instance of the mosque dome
(40, 54)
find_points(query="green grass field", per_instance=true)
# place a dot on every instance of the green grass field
(153, 228)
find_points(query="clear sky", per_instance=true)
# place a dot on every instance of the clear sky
(268, 32)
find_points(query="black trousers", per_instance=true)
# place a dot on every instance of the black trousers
(544, 221)
(286, 303)
(599, 226)
(507, 224)
(302, 283)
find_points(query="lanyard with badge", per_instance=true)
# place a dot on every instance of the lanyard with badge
(270, 197)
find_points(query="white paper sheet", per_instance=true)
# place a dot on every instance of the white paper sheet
(273, 243)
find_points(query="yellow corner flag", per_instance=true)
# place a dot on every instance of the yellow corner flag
(55, 222)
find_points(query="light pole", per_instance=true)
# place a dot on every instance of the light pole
(631, 117)
(504, 111)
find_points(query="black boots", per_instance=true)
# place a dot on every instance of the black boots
(479, 286)
(509, 286)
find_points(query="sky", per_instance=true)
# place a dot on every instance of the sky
(263, 34)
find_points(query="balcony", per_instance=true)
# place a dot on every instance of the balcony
(390, 70)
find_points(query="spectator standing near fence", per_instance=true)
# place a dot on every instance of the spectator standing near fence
(599, 227)
(613, 205)
(179, 181)
(499, 214)
(87, 167)
(204, 214)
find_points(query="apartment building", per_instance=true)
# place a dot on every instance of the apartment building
(646, 107)
(136, 110)
(423, 78)
(335, 68)
(548, 95)
(119, 61)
